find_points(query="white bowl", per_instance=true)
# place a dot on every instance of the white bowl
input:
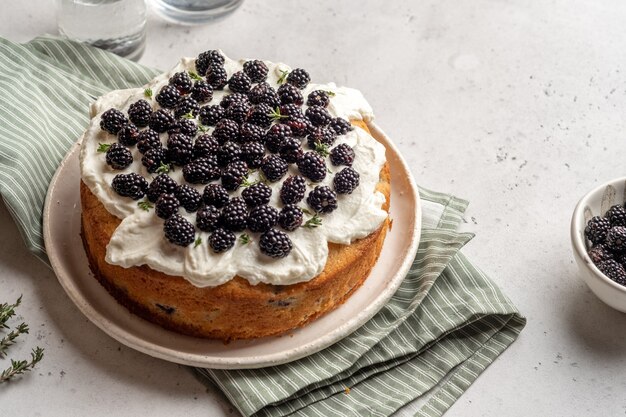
(596, 203)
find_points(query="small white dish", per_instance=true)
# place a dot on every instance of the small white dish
(68, 259)
(596, 203)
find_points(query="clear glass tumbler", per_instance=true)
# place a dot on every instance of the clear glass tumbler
(194, 12)
(119, 26)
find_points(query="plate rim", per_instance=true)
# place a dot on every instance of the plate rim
(129, 339)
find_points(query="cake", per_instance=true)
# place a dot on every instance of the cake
(232, 199)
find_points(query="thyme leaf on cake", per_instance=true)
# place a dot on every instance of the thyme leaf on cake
(283, 76)
(322, 149)
(194, 76)
(147, 92)
(244, 239)
(21, 366)
(203, 128)
(313, 222)
(330, 93)
(197, 243)
(145, 205)
(188, 116)
(276, 115)
(163, 168)
(103, 147)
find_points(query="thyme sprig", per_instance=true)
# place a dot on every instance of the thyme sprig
(147, 92)
(103, 147)
(245, 238)
(322, 149)
(9, 339)
(313, 222)
(145, 205)
(283, 76)
(163, 168)
(197, 243)
(276, 115)
(7, 311)
(19, 367)
(194, 76)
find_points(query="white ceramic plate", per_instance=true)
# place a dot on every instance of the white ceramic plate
(61, 225)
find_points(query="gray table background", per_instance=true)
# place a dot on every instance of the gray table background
(518, 106)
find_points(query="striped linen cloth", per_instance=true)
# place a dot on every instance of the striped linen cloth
(443, 327)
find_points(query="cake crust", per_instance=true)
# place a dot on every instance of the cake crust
(236, 309)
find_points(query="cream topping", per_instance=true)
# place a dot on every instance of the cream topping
(139, 239)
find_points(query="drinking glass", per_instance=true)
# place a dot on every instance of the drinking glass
(193, 12)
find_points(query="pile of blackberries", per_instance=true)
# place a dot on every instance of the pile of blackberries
(608, 238)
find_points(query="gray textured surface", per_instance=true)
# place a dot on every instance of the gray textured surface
(517, 106)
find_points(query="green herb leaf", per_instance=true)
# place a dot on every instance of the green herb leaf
(313, 222)
(147, 92)
(276, 115)
(194, 76)
(244, 239)
(197, 243)
(145, 205)
(203, 128)
(103, 147)
(330, 93)
(9, 339)
(189, 116)
(322, 149)
(7, 311)
(307, 211)
(247, 182)
(19, 367)
(283, 76)
(163, 168)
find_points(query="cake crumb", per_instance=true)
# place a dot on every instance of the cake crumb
(347, 390)
(390, 223)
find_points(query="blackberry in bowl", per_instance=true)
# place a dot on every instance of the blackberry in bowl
(599, 242)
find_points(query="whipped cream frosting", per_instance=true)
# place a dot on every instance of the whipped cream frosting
(139, 239)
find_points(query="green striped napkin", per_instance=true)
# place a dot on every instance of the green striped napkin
(443, 327)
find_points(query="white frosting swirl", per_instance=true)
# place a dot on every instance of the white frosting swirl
(139, 239)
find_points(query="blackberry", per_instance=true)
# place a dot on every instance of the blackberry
(299, 126)
(613, 270)
(616, 215)
(320, 135)
(118, 156)
(234, 174)
(113, 121)
(252, 153)
(128, 135)
(179, 231)
(291, 150)
(250, 133)
(346, 181)
(153, 159)
(202, 170)
(263, 93)
(226, 130)
(161, 120)
(207, 59)
(228, 152)
(139, 113)
(210, 115)
(322, 199)
(288, 94)
(318, 98)
(237, 111)
(186, 105)
(208, 218)
(318, 116)
(231, 99)
(255, 70)
(235, 215)
(189, 198)
(260, 115)
(275, 243)
(293, 189)
(130, 185)
(168, 96)
(180, 149)
(342, 154)
(217, 77)
(256, 194)
(147, 140)
(299, 78)
(291, 110)
(205, 145)
(340, 126)
(221, 240)
(162, 184)
(616, 239)
(599, 253)
(275, 137)
(290, 217)
(312, 166)
(597, 229)
(215, 195)
(182, 81)
(186, 127)
(262, 218)
(166, 206)
(274, 167)
(202, 91)
(239, 82)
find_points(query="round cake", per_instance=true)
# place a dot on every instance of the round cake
(232, 199)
